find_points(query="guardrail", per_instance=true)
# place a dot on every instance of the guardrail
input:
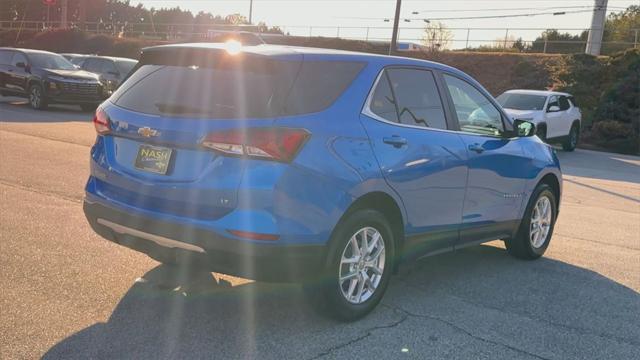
(460, 39)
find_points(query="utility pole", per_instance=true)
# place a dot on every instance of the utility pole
(394, 36)
(64, 4)
(594, 41)
(250, 11)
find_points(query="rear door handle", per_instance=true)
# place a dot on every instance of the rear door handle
(395, 140)
(476, 147)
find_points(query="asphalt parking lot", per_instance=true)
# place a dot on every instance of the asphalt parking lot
(68, 294)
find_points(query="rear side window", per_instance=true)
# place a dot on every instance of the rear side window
(564, 103)
(410, 97)
(573, 101)
(417, 97)
(265, 89)
(5, 57)
(383, 103)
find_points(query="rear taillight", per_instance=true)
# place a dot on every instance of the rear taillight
(279, 144)
(101, 122)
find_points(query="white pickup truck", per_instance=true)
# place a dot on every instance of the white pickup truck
(555, 114)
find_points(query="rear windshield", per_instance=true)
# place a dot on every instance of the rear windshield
(521, 101)
(265, 89)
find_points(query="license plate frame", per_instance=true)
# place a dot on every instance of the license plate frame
(154, 159)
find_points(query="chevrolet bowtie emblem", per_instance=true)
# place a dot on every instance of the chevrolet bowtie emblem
(147, 132)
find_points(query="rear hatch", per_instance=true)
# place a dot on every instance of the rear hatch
(186, 126)
(160, 117)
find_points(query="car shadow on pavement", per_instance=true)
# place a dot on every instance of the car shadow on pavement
(478, 301)
(600, 165)
(53, 112)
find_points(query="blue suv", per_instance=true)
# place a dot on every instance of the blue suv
(326, 167)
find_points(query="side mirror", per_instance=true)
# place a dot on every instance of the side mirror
(553, 108)
(524, 128)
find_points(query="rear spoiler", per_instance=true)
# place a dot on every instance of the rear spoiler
(200, 56)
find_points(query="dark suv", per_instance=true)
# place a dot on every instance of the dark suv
(112, 70)
(44, 77)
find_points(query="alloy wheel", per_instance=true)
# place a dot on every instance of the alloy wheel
(35, 97)
(362, 265)
(540, 222)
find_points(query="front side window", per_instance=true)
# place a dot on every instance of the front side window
(18, 58)
(410, 97)
(553, 101)
(476, 114)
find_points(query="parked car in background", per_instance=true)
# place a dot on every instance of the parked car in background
(112, 70)
(555, 114)
(76, 59)
(279, 163)
(44, 78)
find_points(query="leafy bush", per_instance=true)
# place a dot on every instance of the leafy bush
(614, 135)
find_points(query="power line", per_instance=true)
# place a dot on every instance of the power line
(514, 9)
(480, 17)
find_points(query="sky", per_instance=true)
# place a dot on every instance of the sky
(364, 19)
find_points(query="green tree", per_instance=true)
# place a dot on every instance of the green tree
(559, 43)
(620, 30)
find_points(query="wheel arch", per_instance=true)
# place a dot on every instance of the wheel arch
(34, 81)
(552, 180)
(385, 204)
(541, 125)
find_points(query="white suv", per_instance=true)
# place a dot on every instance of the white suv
(555, 114)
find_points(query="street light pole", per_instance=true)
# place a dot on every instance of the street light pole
(250, 11)
(394, 35)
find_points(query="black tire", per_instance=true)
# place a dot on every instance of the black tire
(37, 98)
(572, 140)
(88, 107)
(541, 132)
(326, 292)
(521, 246)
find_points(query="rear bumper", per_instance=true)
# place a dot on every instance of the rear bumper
(170, 242)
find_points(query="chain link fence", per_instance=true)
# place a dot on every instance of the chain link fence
(474, 39)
